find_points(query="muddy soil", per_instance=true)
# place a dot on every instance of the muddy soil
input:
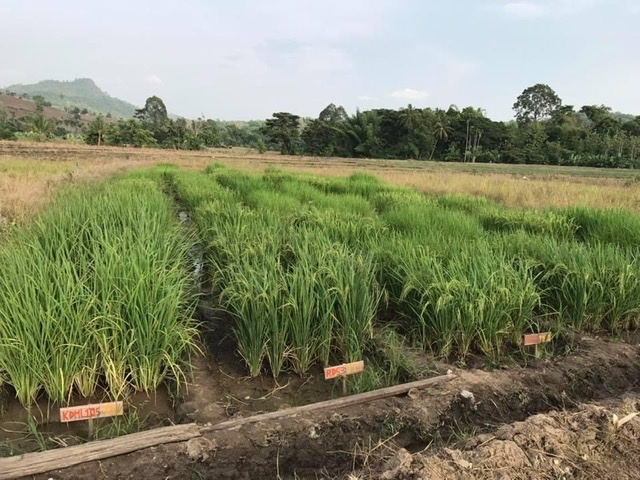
(550, 420)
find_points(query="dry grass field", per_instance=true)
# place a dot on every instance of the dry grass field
(30, 172)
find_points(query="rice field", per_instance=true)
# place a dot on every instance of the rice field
(97, 292)
(309, 268)
(95, 296)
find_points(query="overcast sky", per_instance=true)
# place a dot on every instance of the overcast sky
(242, 59)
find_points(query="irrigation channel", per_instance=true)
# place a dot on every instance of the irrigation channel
(208, 296)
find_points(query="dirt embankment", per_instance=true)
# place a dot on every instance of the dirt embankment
(552, 420)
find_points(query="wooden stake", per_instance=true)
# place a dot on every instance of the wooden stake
(90, 421)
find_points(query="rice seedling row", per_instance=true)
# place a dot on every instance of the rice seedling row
(309, 267)
(95, 296)
(97, 293)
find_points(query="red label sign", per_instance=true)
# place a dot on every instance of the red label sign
(343, 370)
(536, 338)
(87, 412)
(334, 372)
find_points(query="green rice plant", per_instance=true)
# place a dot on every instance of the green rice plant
(547, 223)
(215, 168)
(194, 189)
(254, 294)
(387, 200)
(361, 184)
(473, 301)
(428, 221)
(473, 205)
(357, 233)
(589, 286)
(365, 184)
(594, 288)
(296, 187)
(304, 264)
(310, 300)
(357, 297)
(96, 287)
(44, 318)
(241, 183)
(304, 192)
(275, 202)
(614, 226)
(273, 178)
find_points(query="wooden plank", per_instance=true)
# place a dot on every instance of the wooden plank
(355, 367)
(41, 462)
(87, 412)
(331, 404)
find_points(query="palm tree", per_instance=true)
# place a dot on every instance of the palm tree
(441, 130)
(41, 125)
(408, 117)
(362, 130)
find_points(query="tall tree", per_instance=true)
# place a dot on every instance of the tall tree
(364, 131)
(442, 129)
(602, 119)
(94, 134)
(409, 117)
(333, 114)
(536, 103)
(283, 129)
(154, 118)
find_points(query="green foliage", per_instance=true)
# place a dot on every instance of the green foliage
(154, 118)
(41, 126)
(96, 290)
(616, 227)
(536, 103)
(95, 131)
(308, 266)
(283, 130)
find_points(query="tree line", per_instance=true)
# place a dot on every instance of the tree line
(545, 131)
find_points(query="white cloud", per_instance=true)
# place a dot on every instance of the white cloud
(153, 79)
(410, 94)
(365, 98)
(524, 9)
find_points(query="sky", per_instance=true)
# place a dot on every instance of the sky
(246, 59)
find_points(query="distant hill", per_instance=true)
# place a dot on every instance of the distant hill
(22, 109)
(81, 93)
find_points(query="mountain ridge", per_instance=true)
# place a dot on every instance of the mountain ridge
(81, 93)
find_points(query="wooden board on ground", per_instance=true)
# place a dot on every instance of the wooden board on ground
(332, 404)
(41, 462)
